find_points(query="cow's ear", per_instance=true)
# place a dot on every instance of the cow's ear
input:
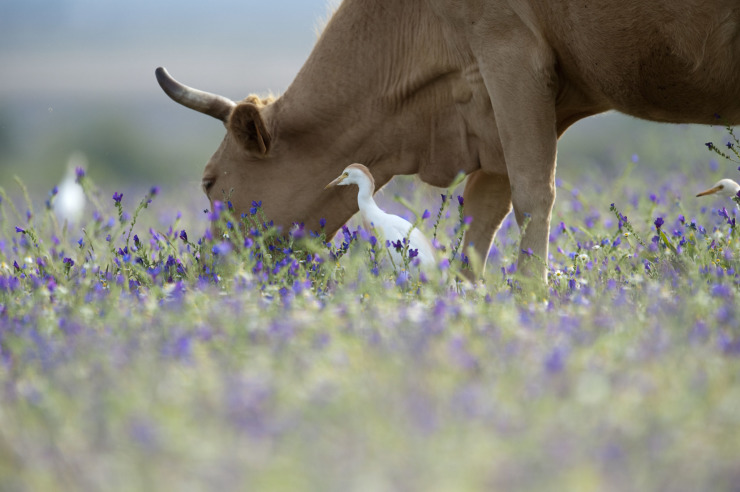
(248, 127)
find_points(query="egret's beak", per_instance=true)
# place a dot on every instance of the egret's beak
(335, 182)
(710, 191)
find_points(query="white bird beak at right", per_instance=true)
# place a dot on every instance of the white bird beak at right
(710, 191)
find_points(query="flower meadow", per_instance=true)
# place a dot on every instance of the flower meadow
(145, 350)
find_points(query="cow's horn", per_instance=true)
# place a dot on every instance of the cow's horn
(211, 104)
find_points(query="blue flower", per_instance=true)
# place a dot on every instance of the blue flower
(79, 173)
(555, 361)
(426, 215)
(322, 222)
(221, 248)
(403, 278)
(460, 200)
(18, 229)
(659, 222)
(117, 197)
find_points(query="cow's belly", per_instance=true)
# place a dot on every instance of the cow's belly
(664, 87)
(652, 59)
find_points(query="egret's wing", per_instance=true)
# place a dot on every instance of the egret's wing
(394, 227)
(426, 250)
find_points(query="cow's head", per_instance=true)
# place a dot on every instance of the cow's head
(258, 162)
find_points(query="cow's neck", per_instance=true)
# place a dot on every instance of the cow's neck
(373, 90)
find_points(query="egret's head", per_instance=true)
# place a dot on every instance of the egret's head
(723, 187)
(353, 174)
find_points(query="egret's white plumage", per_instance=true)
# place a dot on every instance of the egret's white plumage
(392, 227)
(724, 187)
(69, 203)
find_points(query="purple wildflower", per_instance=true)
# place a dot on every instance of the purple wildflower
(659, 222)
(221, 248)
(555, 361)
(117, 197)
(403, 278)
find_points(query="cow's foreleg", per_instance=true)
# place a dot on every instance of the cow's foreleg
(488, 202)
(519, 73)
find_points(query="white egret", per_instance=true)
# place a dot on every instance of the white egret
(724, 187)
(392, 227)
(69, 204)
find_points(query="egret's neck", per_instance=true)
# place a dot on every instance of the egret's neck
(365, 198)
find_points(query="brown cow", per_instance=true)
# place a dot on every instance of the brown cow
(486, 87)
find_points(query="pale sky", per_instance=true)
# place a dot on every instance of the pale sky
(101, 49)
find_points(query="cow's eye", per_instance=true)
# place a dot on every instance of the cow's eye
(207, 184)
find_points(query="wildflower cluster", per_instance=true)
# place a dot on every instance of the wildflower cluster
(118, 335)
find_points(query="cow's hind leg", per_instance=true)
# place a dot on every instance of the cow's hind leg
(518, 69)
(488, 202)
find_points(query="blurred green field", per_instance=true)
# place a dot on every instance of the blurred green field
(135, 358)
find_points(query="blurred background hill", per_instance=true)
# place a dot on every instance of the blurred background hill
(78, 75)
